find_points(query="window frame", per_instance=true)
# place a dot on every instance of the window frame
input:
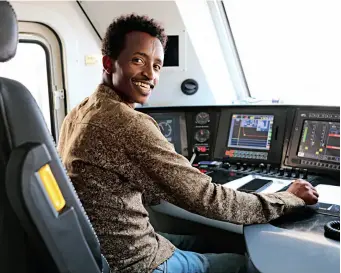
(229, 48)
(38, 33)
(49, 78)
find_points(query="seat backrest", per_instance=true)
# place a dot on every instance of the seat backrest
(43, 226)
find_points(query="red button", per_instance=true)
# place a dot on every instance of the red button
(202, 149)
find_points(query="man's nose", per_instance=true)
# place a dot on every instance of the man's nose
(149, 72)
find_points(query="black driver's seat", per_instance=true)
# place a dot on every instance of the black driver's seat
(43, 227)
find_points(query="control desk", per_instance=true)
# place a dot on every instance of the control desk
(264, 149)
(281, 141)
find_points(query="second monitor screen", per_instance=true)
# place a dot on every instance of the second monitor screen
(320, 140)
(251, 131)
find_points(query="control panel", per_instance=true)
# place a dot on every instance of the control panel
(203, 127)
(173, 127)
(315, 140)
(189, 130)
(202, 132)
(280, 141)
(248, 135)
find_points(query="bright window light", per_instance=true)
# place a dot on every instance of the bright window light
(289, 50)
(201, 31)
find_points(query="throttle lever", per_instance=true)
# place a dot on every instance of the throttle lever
(195, 153)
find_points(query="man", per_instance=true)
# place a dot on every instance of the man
(118, 160)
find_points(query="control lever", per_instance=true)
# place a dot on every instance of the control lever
(238, 166)
(289, 172)
(226, 165)
(297, 173)
(276, 170)
(268, 168)
(253, 167)
(244, 167)
(305, 173)
(195, 153)
(281, 171)
(261, 166)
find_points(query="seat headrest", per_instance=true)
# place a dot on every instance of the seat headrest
(8, 32)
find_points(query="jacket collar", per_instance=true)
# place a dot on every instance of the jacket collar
(104, 89)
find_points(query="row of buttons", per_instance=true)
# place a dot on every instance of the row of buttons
(314, 115)
(319, 164)
(252, 156)
(249, 154)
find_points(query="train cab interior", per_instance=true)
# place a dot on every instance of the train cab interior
(249, 93)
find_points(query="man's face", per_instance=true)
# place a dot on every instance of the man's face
(136, 71)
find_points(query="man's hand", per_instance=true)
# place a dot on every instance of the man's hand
(305, 191)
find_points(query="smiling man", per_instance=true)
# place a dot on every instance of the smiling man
(119, 161)
(132, 63)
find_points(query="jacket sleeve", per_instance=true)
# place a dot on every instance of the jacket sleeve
(185, 186)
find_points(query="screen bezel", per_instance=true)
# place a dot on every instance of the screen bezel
(179, 123)
(292, 159)
(277, 138)
(299, 142)
(228, 145)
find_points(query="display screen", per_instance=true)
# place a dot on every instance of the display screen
(170, 128)
(251, 131)
(320, 140)
(167, 128)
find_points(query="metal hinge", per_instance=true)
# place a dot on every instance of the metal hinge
(58, 95)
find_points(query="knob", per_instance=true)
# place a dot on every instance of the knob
(297, 173)
(261, 166)
(281, 171)
(238, 166)
(276, 170)
(305, 174)
(226, 165)
(289, 172)
(244, 166)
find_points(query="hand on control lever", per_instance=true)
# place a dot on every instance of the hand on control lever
(305, 191)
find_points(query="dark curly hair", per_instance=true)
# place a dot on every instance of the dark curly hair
(113, 42)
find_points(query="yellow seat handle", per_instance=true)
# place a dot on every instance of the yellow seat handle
(51, 187)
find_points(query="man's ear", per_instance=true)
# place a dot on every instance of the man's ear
(107, 64)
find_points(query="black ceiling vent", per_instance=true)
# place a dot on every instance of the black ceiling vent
(189, 86)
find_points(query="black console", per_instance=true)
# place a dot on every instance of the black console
(202, 125)
(173, 127)
(189, 129)
(315, 140)
(251, 135)
(275, 141)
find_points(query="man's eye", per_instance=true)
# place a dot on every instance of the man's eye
(137, 60)
(157, 67)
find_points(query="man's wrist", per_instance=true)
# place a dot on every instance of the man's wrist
(290, 200)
